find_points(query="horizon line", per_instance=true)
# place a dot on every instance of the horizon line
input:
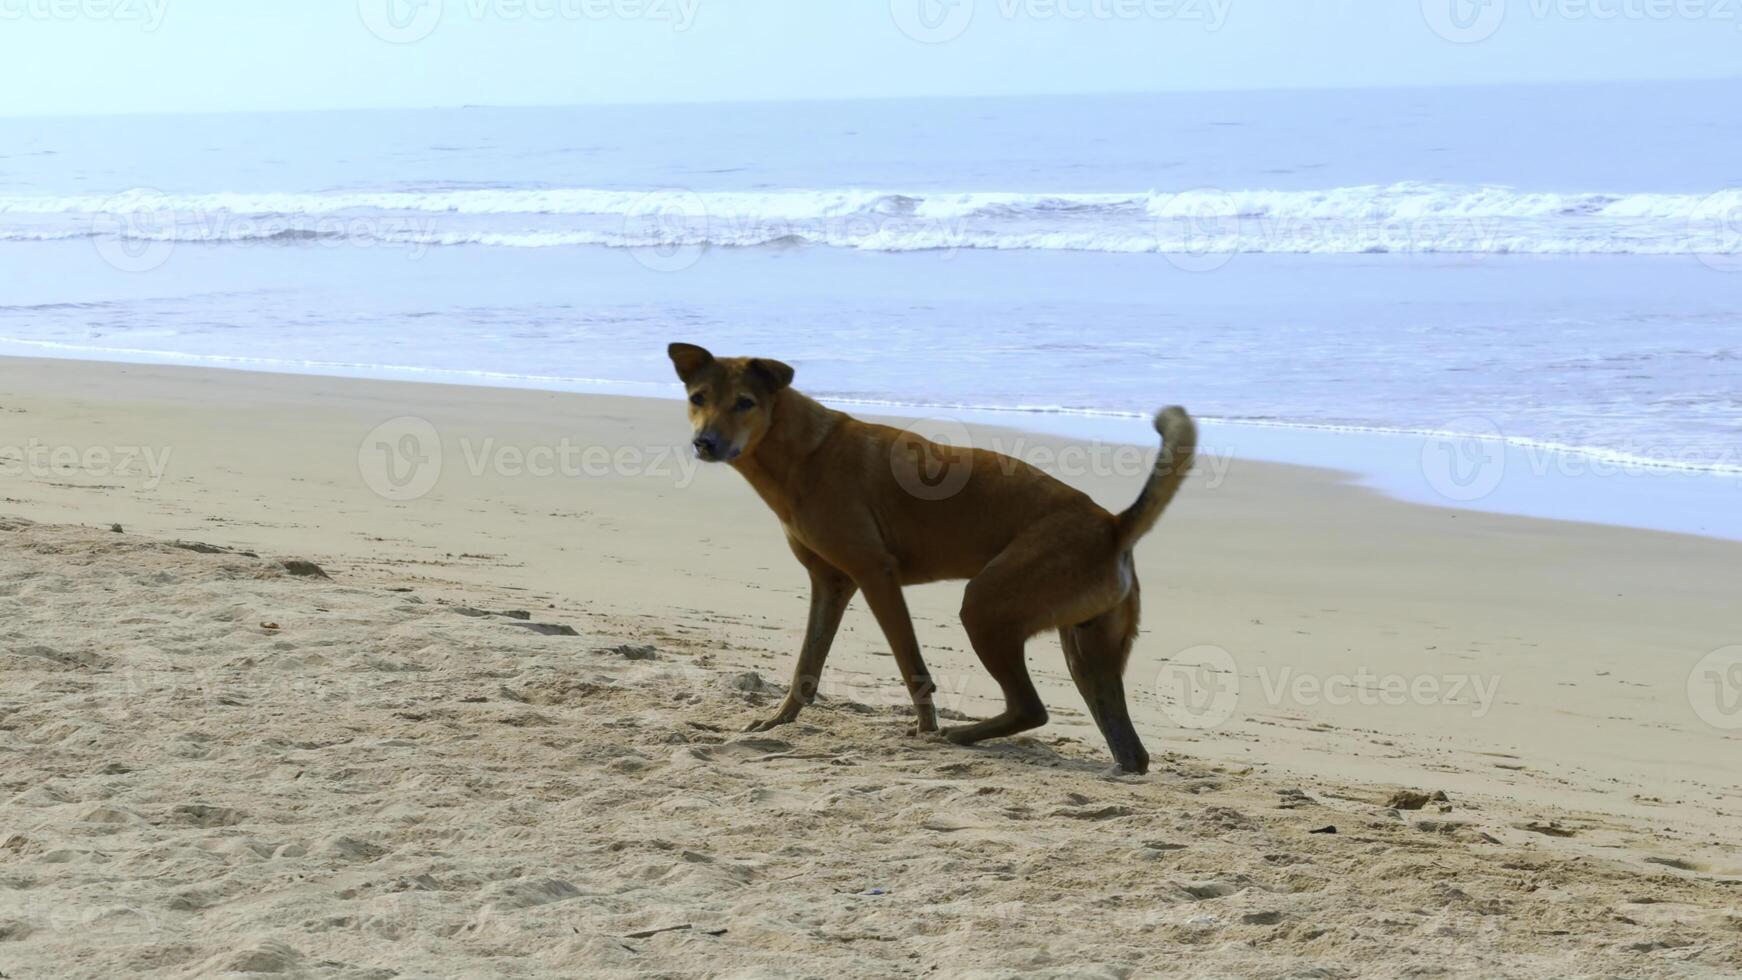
(650, 103)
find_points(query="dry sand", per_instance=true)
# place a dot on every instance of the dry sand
(212, 764)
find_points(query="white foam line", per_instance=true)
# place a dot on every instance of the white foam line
(1594, 453)
(1368, 219)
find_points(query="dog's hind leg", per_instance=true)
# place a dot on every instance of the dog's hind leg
(1049, 576)
(1095, 652)
(831, 591)
(997, 613)
(1000, 646)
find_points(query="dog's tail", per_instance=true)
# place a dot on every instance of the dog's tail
(1179, 447)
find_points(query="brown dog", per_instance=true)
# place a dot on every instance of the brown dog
(861, 518)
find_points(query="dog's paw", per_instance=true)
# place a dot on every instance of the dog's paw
(768, 724)
(925, 719)
(960, 735)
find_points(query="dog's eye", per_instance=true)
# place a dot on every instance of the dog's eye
(743, 405)
(697, 399)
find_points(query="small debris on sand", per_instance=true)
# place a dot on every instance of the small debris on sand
(1409, 799)
(751, 682)
(306, 569)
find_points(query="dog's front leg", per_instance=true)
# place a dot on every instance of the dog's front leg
(882, 588)
(830, 593)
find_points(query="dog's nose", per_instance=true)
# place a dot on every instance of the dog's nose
(707, 445)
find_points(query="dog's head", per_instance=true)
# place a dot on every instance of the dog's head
(731, 399)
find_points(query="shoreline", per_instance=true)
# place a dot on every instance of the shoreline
(1484, 470)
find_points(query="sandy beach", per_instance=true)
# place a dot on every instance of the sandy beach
(217, 762)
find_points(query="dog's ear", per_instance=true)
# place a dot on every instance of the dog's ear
(689, 360)
(775, 374)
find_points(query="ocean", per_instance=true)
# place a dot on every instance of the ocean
(1542, 270)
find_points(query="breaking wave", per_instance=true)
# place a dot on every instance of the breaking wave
(1370, 219)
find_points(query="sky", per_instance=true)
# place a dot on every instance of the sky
(60, 57)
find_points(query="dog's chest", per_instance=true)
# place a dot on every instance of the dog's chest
(785, 508)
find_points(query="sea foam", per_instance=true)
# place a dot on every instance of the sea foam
(1348, 220)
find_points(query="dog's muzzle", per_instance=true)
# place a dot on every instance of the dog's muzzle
(711, 449)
